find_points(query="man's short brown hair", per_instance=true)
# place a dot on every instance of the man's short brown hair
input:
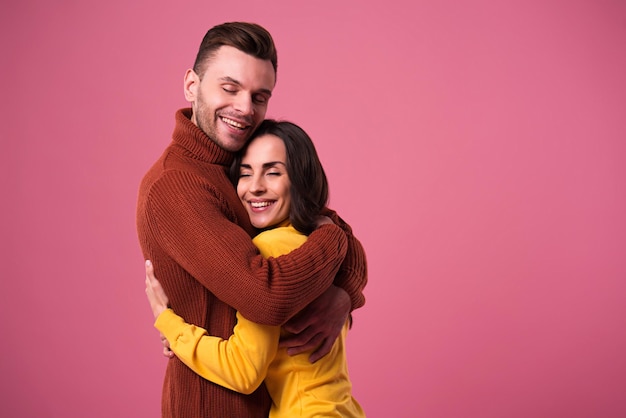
(249, 38)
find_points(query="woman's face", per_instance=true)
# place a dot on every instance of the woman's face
(263, 182)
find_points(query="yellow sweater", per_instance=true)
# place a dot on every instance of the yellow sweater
(251, 355)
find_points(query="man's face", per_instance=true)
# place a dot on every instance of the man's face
(230, 100)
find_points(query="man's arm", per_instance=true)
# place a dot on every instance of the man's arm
(352, 275)
(318, 325)
(196, 229)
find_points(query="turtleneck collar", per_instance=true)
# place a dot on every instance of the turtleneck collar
(196, 142)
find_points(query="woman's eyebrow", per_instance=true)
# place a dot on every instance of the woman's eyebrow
(273, 163)
(265, 165)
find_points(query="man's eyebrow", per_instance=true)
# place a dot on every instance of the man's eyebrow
(231, 80)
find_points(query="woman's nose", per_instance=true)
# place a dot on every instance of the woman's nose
(257, 185)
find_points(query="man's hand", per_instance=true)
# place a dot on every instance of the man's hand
(318, 325)
(158, 302)
(323, 220)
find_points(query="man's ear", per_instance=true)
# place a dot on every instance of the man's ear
(191, 85)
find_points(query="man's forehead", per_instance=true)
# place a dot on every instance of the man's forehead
(229, 62)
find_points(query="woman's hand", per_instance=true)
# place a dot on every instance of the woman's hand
(158, 302)
(156, 295)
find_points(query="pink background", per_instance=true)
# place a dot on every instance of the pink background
(477, 148)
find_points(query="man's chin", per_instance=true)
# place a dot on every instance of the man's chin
(232, 146)
(234, 143)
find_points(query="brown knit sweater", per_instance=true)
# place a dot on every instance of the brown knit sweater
(192, 225)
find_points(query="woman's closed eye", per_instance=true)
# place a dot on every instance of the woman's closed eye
(245, 174)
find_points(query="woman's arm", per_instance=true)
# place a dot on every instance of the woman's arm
(239, 363)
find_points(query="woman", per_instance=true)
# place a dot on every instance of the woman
(283, 187)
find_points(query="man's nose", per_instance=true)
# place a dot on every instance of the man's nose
(243, 104)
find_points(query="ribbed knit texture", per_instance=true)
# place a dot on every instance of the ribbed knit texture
(192, 225)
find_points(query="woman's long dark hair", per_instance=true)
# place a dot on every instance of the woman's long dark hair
(309, 186)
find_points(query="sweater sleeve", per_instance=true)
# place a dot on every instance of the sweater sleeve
(193, 223)
(239, 363)
(352, 275)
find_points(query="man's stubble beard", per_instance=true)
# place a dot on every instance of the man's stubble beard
(207, 122)
(206, 126)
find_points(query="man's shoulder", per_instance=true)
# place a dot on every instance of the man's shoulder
(179, 181)
(174, 167)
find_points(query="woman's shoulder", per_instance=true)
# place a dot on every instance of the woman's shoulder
(278, 241)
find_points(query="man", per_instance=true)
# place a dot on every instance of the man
(191, 223)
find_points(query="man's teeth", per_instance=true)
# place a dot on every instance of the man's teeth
(233, 123)
(260, 204)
